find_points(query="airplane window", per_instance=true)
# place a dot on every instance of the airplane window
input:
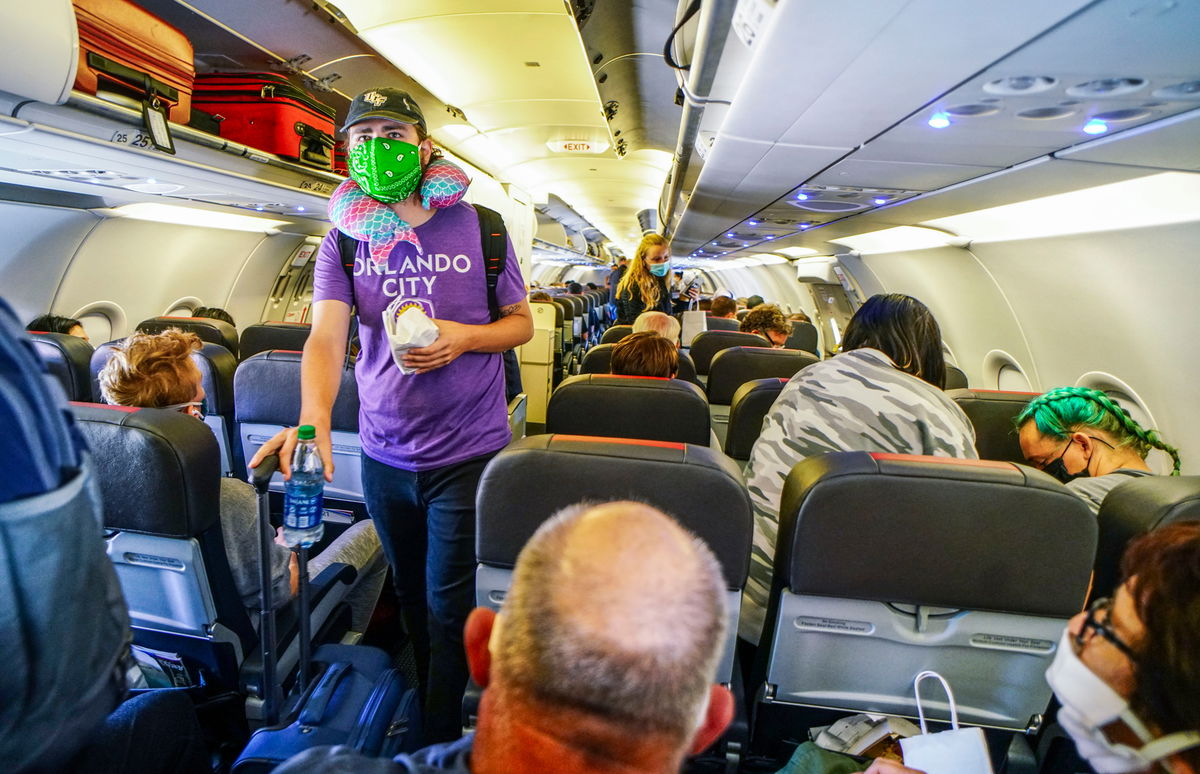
(98, 326)
(1012, 378)
(103, 321)
(179, 311)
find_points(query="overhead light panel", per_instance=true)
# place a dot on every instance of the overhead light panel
(891, 240)
(194, 216)
(796, 252)
(1154, 200)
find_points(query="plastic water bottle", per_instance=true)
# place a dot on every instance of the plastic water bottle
(304, 494)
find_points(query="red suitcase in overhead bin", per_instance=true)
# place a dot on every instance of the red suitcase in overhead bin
(268, 112)
(128, 54)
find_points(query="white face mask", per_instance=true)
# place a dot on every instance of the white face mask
(1089, 704)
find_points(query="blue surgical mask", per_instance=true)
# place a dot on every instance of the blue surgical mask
(660, 269)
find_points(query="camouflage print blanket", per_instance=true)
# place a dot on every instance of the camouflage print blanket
(855, 401)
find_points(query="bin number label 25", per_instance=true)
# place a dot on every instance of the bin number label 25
(135, 138)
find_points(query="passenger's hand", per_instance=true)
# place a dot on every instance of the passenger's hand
(885, 766)
(453, 340)
(283, 443)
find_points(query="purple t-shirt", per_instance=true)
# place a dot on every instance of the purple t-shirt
(453, 413)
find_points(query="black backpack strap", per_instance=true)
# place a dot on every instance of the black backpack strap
(494, 240)
(347, 249)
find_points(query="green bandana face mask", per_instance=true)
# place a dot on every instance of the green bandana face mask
(388, 170)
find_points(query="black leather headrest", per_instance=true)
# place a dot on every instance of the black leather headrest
(566, 306)
(629, 407)
(932, 531)
(96, 365)
(722, 324)
(212, 331)
(733, 367)
(803, 336)
(749, 408)
(598, 360)
(272, 335)
(217, 366)
(159, 471)
(537, 476)
(706, 344)
(268, 392)
(992, 413)
(68, 359)
(956, 378)
(1134, 507)
(579, 303)
(615, 333)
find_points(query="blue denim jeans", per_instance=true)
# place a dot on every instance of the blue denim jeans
(426, 522)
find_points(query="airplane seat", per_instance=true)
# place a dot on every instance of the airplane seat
(956, 378)
(803, 336)
(272, 335)
(722, 324)
(615, 333)
(212, 331)
(642, 407)
(570, 332)
(68, 359)
(1137, 506)
(747, 411)
(160, 482)
(267, 386)
(706, 494)
(96, 364)
(708, 343)
(992, 413)
(887, 565)
(598, 360)
(734, 366)
(741, 314)
(217, 367)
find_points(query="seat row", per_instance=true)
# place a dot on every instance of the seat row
(885, 565)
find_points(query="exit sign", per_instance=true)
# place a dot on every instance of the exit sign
(576, 146)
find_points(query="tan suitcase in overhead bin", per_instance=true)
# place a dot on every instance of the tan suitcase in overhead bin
(127, 55)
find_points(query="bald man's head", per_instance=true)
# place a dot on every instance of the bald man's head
(659, 322)
(617, 611)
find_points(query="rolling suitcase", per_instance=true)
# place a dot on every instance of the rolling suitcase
(266, 111)
(359, 699)
(129, 55)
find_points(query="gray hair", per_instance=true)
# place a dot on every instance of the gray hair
(637, 646)
(659, 322)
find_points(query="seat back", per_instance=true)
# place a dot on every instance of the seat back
(268, 400)
(272, 335)
(643, 407)
(734, 366)
(707, 344)
(68, 359)
(212, 331)
(160, 481)
(722, 324)
(706, 495)
(217, 367)
(887, 565)
(992, 413)
(598, 360)
(803, 336)
(615, 333)
(1137, 506)
(751, 403)
(956, 378)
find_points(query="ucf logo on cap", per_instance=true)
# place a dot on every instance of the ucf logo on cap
(375, 98)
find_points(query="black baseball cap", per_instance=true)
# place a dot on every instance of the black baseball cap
(395, 104)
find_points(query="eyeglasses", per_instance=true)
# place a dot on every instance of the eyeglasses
(1093, 624)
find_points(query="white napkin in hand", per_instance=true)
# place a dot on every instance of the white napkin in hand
(411, 329)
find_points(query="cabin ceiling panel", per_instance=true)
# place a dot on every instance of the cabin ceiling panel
(1173, 145)
(897, 174)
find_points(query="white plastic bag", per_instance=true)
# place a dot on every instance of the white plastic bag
(957, 751)
(408, 330)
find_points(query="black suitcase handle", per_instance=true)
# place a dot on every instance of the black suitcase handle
(316, 146)
(148, 85)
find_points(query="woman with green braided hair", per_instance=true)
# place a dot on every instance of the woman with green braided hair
(1087, 441)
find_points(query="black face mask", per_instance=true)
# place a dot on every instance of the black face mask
(1059, 470)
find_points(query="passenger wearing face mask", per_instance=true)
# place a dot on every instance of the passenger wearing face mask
(643, 286)
(1087, 441)
(1127, 672)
